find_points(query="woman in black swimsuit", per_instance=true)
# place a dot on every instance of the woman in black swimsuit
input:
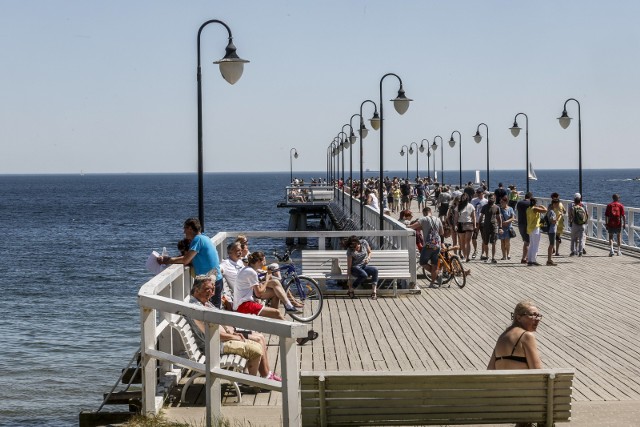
(516, 348)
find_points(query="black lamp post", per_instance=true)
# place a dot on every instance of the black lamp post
(348, 143)
(441, 157)
(565, 121)
(401, 105)
(375, 124)
(292, 153)
(342, 147)
(477, 138)
(402, 154)
(515, 131)
(231, 67)
(411, 152)
(452, 143)
(428, 157)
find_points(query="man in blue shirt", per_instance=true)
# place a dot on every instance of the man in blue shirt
(202, 255)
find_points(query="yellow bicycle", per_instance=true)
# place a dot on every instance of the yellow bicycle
(451, 267)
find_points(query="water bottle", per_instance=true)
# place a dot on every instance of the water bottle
(164, 253)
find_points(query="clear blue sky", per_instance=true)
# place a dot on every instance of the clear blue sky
(109, 86)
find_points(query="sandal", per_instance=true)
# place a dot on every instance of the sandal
(312, 335)
(374, 296)
(351, 294)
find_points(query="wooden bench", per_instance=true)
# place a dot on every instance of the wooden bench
(392, 265)
(232, 362)
(436, 398)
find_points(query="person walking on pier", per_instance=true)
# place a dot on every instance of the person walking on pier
(478, 202)
(521, 210)
(432, 231)
(490, 225)
(616, 221)
(533, 228)
(578, 217)
(508, 217)
(465, 219)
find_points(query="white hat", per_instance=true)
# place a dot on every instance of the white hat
(577, 196)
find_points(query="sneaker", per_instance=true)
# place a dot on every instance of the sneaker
(611, 252)
(572, 254)
(483, 258)
(273, 376)
(493, 261)
(473, 255)
(584, 252)
(619, 252)
(292, 309)
(439, 281)
(551, 263)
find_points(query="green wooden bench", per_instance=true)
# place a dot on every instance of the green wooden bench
(435, 398)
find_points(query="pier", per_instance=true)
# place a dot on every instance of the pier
(590, 324)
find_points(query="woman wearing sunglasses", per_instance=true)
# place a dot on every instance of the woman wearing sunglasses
(516, 347)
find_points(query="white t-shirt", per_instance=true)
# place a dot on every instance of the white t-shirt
(247, 279)
(465, 214)
(230, 270)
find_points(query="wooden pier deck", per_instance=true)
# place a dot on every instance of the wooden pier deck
(591, 309)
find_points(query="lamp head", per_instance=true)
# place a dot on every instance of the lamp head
(375, 121)
(352, 138)
(231, 66)
(295, 154)
(477, 137)
(515, 129)
(452, 142)
(363, 131)
(401, 102)
(402, 152)
(411, 150)
(434, 146)
(564, 120)
(422, 147)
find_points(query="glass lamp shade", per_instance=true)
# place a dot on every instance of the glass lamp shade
(352, 139)
(375, 121)
(564, 120)
(421, 148)
(363, 132)
(231, 66)
(434, 146)
(402, 152)
(295, 155)
(477, 137)
(515, 129)
(452, 142)
(411, 150)
(401, 102)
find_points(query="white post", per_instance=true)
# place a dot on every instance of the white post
(291, 415)
(212, 353)
(148, 341)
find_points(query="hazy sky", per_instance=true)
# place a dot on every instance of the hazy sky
(109, 86)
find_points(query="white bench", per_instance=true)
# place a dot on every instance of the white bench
(231, 362)
(391, 264)
(436, 398)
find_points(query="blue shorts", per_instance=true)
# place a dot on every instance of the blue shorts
(429, 255)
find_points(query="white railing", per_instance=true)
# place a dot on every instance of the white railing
(596, 229)
(162, 300)
(308, 194)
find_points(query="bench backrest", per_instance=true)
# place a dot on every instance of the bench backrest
(316, 262)
(433, 398)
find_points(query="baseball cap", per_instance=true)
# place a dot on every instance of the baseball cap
(577, 196)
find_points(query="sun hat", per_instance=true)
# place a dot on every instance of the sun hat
(577, 196)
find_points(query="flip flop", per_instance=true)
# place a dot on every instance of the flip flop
(312, 335)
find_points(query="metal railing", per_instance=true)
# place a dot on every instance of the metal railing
(162, 300)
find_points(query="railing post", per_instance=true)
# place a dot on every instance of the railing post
(291, 415)
(148, 341)
(212, 354)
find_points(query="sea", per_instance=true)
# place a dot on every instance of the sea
(73, 255)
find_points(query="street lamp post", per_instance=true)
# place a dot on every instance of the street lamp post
(402, 154)
(375, 124)
(477, 138)
(422, 147)
(565, 121)
(349, 141)
(344, 143)
(401, 105)
(434, 147)
(452, 143)
(441, 158)
(515, 131)
(411, 152)
(231, 67)
(292, 153)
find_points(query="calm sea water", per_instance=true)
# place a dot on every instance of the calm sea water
(73, 257)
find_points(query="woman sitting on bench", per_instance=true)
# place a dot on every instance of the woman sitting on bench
(358, 256)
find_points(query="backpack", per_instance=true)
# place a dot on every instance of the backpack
(432, 240)
(545, 224)
(579, 215)
(614, 217)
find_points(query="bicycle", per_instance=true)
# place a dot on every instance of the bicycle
(451, 267)
(303, 288)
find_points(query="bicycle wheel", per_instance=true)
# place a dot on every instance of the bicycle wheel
(457, 272)
(308, 292)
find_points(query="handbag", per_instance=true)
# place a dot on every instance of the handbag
(512, 232)
(335, 266)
